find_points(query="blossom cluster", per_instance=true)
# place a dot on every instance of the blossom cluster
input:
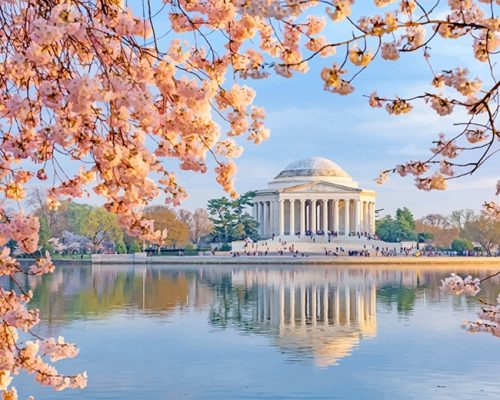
(17, 353)
(489, 320)
(458, 285)
(489, 317)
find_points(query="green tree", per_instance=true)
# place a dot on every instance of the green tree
(387, 229)
(97, 225)
(120, 247)
(461, 245)
(402, 228)
(405, 219)
(44, 233)
(223, 217)
(247, 227)
(230, 220)
(406, 223)
(424, 237)
(134, 247)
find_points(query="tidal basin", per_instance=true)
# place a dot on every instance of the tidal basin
(270, 332)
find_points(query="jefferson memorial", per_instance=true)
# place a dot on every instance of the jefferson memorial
(314, 196)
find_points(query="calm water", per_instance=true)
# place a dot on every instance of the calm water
(265, 333)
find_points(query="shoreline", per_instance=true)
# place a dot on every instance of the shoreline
(456, 262)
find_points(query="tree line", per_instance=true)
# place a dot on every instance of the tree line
(83, 228)
(76, 227)
(460, 231)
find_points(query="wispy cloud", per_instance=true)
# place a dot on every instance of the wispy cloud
(474, 184)
(410, 150)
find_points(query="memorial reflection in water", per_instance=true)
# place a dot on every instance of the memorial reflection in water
(322, 316)
(318, 314)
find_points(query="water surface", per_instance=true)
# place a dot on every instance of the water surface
(234, 332)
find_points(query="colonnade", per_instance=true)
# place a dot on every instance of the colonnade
(298, 217)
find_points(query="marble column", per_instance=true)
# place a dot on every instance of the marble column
(325, 217)
(259, 217)
(282, 217)
(365, 216)
(368, 217)
(302, 218)
(372, 218)
(367, 223)
(347, 228)
(313, 217)
(271, 218)
(292, 217)
(265, 220)
(336, 216)
(308, 215)
(361, 217)
(357, 217)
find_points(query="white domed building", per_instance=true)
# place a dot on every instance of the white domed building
(314, 195)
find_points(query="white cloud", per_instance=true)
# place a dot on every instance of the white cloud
(410, 150)
(472, 183)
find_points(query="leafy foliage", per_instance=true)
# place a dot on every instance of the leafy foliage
(397, 230)
(98, 225)
(461, 245)
(423, 237)
(230, 220)
(166, 218)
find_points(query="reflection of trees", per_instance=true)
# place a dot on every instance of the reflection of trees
(403, 296)
(232, 305)
(74, 292)
(405, 293)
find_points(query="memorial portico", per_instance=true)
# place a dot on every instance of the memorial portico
(314, 196)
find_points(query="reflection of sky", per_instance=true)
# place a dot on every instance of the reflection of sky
(131, 354)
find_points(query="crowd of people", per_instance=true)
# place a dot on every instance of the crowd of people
(448, 253)
(284, 248)
(333, 234)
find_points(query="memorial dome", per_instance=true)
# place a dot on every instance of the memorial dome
(314, 166)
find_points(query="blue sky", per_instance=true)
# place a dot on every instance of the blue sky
(306, 121)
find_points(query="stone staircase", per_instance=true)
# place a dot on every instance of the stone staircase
(318, 244)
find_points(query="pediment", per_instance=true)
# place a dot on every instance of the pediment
(320, 187)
